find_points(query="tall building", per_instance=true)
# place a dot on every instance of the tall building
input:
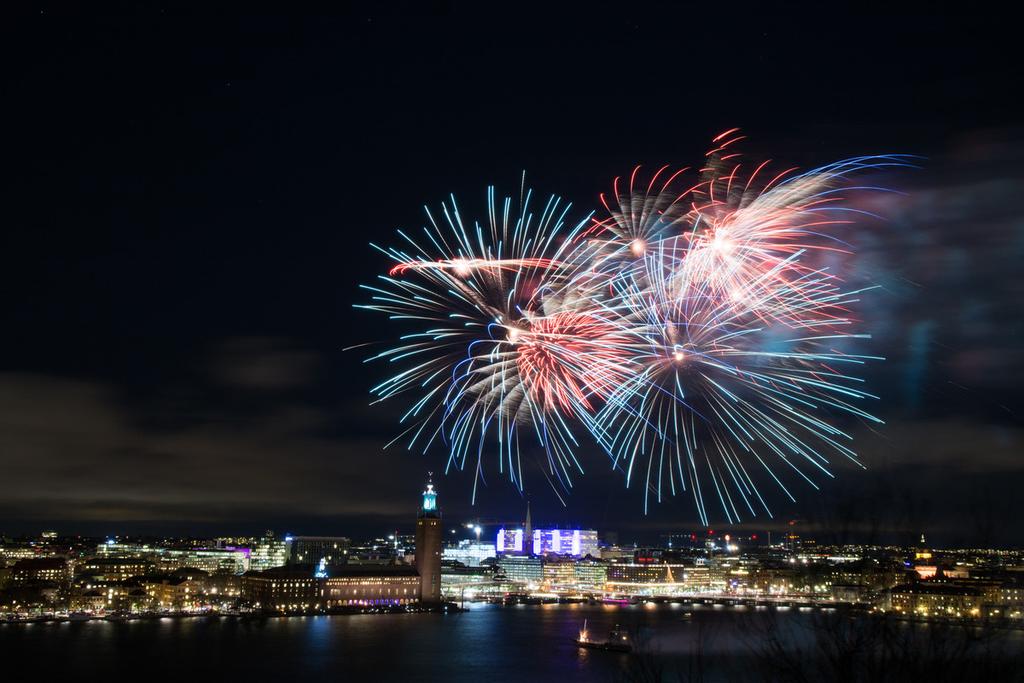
(428, 546)
(268, 552)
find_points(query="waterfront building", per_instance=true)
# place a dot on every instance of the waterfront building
(181, 591)
(283, 589)
(847, 592)
(110, 597)
(647, 577)
(559, 572)
(773, 578)
(522, 569)
(428, 546)
(697, 579)
(458, 582)
(89, 600)
(589, 573)
(298, 588)
(376, 586)
(930, 598)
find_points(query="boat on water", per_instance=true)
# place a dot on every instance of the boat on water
(79, 616)
(618, 640)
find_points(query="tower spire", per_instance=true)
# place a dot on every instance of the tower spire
(429, 507)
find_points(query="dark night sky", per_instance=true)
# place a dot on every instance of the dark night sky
(190, 198)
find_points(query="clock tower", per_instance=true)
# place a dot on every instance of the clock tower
(428, 546)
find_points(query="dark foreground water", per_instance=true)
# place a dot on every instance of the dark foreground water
(527, 643)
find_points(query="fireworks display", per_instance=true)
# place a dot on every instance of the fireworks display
(698, 332)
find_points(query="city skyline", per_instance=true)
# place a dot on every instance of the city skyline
(51, 577)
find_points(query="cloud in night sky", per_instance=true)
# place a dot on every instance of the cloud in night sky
(75, 450)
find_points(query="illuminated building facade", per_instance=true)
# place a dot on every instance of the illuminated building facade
(470, 553)
(428, 546)
(268, 552)
(643, 577)
(371, 586)
(298, 588)
(590, 573)
(572, 542)
(39, 570)
(522, 569)
(462, 582)
(559, 572)
(928, 598)
(113, 569)
(210, 560)
(282, 589)
(174, 592)
(509, 541)
(11, 554)
(167, 560)
(114, 549)
(111, 598)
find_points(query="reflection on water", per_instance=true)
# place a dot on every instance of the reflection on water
(533, 643)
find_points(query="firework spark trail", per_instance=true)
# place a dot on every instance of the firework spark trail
(464, 267)
(486, 353)
(701, 332)
(716, 383)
